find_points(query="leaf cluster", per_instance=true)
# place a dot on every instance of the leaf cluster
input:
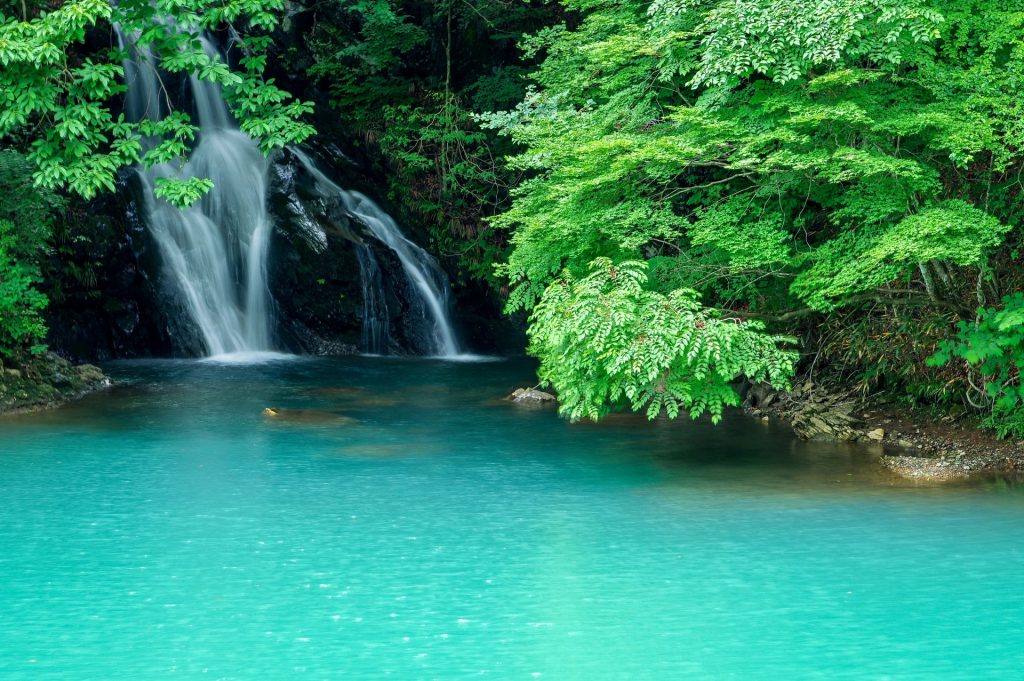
(993, 348)
(60, 87)
(606, 340)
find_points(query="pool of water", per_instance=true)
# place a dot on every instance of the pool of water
(397, 519)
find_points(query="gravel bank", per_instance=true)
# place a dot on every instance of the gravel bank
(916, 447)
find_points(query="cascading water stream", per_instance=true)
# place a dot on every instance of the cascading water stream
(424, 274)
(216, 251)
(375, 311)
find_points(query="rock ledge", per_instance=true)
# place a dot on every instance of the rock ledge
(46, 381)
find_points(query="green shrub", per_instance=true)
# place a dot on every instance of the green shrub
(606, 341)
(26, 223)
(21, 323)
(993, 351)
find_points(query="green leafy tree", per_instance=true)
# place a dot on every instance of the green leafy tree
(60, 82)
(785, 159)
(606, 340)
(21, 304)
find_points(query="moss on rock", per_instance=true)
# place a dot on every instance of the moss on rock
(45, 381)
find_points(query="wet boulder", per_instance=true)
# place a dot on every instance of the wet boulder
(531, 397)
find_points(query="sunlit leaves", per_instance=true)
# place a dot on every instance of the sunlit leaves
(778, 156)
(784, 39)
(182, 192)
(62, 94)
(952, 231)
(606, 340)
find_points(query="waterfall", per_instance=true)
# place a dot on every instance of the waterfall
(425, 276)
(375, 310)
(215, 250)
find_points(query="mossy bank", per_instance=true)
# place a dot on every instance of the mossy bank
(45, 381)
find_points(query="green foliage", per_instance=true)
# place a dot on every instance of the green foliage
(444, 166)
(360, 53)
(58, 93)
(21, 304)
(26, 220)
(992, 349)
(182, 192)
(782, 158)
(952, 232)
(605, 340)
(885, 349)
(785, 39)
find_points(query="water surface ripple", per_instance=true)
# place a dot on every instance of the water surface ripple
(396, 520)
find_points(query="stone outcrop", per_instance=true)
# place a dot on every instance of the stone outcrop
(46, 381)
(916, 447)
(815, 414)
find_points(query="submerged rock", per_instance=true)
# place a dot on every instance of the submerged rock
(308, 416)
(938, 451)
(531, 396)
(332, 391)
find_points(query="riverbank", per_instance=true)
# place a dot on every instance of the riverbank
(46, 381)
(917, 445)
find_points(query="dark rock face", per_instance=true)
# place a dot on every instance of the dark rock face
(105, 301)
(317, 275)
(314, 275)
(482, 323)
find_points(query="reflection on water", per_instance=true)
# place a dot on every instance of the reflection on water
(408, 523)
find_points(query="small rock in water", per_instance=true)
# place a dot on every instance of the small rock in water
(308, 416)
(876, 434)
(530, 396)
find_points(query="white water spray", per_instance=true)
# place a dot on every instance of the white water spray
(216, 250)
(422, 271)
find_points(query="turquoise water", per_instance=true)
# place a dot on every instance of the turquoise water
(409, 525)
